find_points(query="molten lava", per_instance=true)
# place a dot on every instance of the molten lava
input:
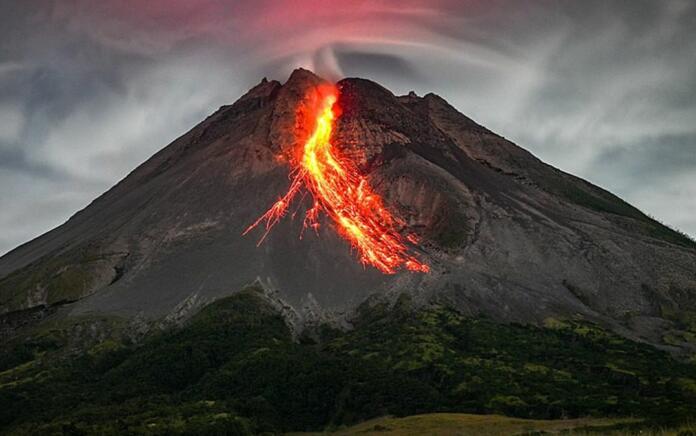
(340, 191)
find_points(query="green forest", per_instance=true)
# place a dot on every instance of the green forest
(236, 368)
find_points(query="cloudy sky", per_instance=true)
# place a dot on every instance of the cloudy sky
(90, 89)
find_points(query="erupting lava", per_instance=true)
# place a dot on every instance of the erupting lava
(342, 193)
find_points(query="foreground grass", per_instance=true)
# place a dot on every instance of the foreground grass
(467, 424)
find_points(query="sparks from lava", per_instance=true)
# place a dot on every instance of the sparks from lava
(340, 191)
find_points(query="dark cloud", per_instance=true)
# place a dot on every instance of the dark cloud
(88, 90)
(380, 66)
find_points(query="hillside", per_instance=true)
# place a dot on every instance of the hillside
(505, 235)
(236, 366)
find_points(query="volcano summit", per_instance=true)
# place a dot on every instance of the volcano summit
(339, 190)
(410, 261)
(502, 234)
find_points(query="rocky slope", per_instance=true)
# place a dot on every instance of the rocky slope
(505, 234)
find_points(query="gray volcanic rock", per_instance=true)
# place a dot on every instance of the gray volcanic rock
(505, 234)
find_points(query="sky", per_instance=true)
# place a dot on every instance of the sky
(605, 90)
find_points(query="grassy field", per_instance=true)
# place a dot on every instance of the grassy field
(463, 424)
(479, 425)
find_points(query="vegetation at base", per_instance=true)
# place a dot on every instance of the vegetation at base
(235, 368)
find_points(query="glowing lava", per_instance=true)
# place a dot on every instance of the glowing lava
(342, 193)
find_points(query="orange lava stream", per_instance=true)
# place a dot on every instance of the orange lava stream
(344, 195)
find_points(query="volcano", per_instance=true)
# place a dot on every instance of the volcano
(502, 234)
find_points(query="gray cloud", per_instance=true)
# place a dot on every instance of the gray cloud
(88, 90)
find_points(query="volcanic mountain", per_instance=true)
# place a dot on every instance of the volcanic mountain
(503, 234)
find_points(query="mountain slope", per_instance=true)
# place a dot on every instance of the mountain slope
(506, 235)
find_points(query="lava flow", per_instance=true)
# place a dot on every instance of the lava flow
(340, 191)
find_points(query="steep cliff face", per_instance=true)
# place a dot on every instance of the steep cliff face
(505, 234)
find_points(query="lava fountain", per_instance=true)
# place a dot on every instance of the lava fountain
(341, 192)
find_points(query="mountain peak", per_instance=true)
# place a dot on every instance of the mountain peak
(504, 233)
(263, 89)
